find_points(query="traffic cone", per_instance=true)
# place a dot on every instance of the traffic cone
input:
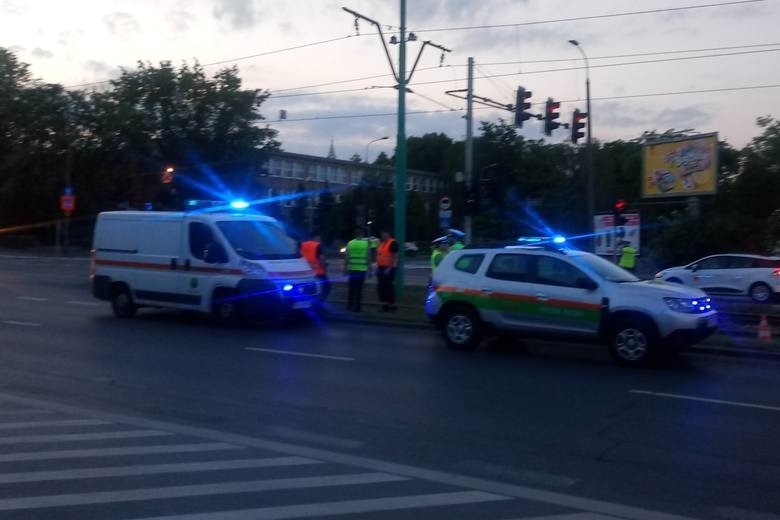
(764, 333)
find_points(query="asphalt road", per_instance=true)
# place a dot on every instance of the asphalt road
(170, 416)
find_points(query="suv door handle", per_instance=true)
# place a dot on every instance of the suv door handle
(542, 297)
(486, 291)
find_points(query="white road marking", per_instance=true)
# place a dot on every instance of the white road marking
(153, 469)
(89, 304)
(345, 507)
(525, 476)
(230, 440)
(706, 400)
(72, 437)
(303, 354)
(32, 298)
(572, 516)
(25, 411)
(22, 323)
(195, 490)
(43, 424)
(316, 438)
(111, 452)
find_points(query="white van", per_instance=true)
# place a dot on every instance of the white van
(232, 265)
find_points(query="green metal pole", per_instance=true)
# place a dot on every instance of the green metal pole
(400, 158)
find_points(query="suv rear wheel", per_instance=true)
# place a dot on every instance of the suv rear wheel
(760, 292)
(462, 329)
(633, 342)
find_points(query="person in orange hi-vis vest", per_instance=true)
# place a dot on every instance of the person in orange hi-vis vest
(311, 251)
(386, 263)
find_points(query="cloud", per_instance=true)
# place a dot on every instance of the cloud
(624, 115)
(11, 8)
(240, 13)
(42, 53)
(100, 67)
(180, 20)
(121, 24)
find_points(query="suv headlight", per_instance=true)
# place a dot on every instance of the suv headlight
(689, 305)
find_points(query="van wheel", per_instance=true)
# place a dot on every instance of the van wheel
(226, 308)
(633, 342)
(462, 329)
(122, 302)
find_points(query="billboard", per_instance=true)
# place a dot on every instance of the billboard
(606, 236)
(681, 167)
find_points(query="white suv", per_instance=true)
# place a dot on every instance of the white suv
(752, 275)
(565, 292)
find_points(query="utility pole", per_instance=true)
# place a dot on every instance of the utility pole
(468, 168)
(399, 217)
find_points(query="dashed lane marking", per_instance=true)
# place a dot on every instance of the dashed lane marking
(706, 400)
(32, 298)
(22, 323)
(302, 354)
(86, 304)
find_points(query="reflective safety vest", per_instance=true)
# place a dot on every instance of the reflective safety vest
(309, 252)
(357, 254)
(628, 258)
(384, 257)
(436, 257)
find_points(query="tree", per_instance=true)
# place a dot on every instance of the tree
(356, 158)
(383, 160)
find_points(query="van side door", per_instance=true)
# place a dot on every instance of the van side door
(205, 257)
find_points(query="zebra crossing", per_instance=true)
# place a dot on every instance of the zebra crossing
(60, 462)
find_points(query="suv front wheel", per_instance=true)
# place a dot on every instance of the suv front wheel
(632, 342)
(461, 328)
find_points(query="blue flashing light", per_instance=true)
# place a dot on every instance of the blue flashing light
(530, 240)
(287, 287)
(558, 239)
(239, 204)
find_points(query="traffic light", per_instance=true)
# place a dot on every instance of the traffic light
(167, 175)
(620, 209)
(577, 125)
(550, 115)
(521, 105)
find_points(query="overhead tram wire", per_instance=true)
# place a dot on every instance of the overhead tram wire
(241, 58)
(582, 18)
(543, 71)
(592, 58)
(604, 98)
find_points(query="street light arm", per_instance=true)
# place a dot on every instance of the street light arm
(381, 38)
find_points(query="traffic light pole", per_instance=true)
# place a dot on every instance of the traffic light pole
(589, 166)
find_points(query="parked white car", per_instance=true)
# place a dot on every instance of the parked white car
(753, 275)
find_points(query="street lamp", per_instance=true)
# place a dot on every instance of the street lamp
(589, 149)
(365, 157)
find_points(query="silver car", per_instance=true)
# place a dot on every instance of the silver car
(753, 275)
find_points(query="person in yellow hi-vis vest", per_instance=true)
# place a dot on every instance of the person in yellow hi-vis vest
(627, 257)
(357, 267)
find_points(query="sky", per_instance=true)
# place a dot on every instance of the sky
(643, 58)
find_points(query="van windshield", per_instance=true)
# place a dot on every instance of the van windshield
(256, 240)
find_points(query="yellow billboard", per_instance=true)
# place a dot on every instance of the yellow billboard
(681, 167)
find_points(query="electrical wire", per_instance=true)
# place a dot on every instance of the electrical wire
(605, 98)
(241, 58)
(591, 58)
(581, 18)
(510, 74)
(449, 108)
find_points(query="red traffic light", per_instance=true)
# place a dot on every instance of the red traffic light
(620, 205)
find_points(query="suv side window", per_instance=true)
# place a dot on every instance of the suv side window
(742, 262)
(469, 263)
(554, 271)
(767, 263)
(201, 238)
(714, 262)
(512, 267)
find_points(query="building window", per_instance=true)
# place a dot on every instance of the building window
(343, 176)
(276, 168)
(286, 169)
(331, 174)
(298, 170)
(321, 173)
(338, 198)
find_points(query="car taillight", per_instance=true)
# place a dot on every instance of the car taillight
(776, 272)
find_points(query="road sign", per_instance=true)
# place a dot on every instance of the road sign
(445, 203)
(68, 203)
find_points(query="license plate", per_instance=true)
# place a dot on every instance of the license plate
(301, 305)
